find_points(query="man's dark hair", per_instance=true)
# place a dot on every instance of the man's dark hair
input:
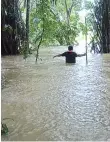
(70, 47)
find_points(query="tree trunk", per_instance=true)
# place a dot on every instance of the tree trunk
(12, 27)
(102, 22)
(26, 51)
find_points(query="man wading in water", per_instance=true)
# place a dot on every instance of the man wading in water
(70, 55)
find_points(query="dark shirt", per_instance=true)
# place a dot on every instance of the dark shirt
(70, 56)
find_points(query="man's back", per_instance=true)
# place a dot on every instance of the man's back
(70, 56)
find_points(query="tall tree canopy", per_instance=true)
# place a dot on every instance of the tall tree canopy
(52, 22)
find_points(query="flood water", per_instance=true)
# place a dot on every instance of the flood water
(52, 101)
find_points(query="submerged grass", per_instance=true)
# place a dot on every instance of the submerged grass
(4, 128)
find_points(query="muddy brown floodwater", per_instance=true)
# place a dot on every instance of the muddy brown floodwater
(52, 101)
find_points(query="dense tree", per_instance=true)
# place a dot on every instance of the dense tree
(52, 22)
(59, 28)
(12, 27)
(102, 24)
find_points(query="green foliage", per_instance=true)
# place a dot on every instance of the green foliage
(39, 15)
(88, 5)
(4, 128)
(82, 28)
(58, 20)
(56, 28)
(53, 15)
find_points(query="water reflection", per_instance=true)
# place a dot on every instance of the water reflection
(52, 101)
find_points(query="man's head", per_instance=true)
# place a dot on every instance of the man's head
(70, 47)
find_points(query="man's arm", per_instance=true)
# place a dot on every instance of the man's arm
(80, 55)
(59, 55)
